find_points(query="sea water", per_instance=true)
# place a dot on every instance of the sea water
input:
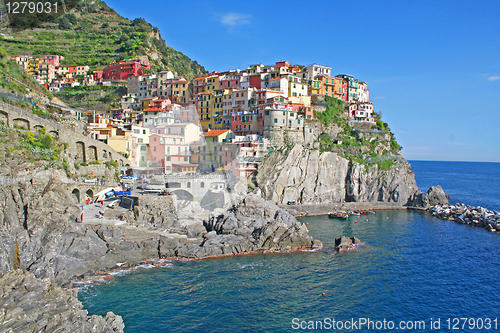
(410, 268)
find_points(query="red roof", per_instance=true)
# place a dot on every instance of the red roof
(212, 133)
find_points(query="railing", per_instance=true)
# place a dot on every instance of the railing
(194, 176)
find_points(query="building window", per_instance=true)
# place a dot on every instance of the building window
(202, 185)
(154, 148)
(275, 120)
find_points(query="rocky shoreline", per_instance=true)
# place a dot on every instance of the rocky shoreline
(29, 304)
(465, 214)
(40, 237)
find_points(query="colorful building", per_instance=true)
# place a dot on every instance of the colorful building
(124, 69)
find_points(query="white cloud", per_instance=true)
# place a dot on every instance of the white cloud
(235, 19)
(494, 78)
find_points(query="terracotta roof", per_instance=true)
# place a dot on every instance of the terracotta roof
(212, 133)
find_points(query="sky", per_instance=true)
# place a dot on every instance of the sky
(432, 67)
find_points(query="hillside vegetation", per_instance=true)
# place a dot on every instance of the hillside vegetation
(94, 34)
(376, 145)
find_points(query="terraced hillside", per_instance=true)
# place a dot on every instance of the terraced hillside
(94, 34)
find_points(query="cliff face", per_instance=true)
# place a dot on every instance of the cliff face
(38, 233)
(311, 177)
(28, 304)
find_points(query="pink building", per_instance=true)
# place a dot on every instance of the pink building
(171, 152)
(52, 59)
(186, 115)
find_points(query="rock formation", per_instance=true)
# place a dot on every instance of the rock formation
(28, 304)
(434, 196)
(39, 233)
(344, 243)
(310, 177)
(252, 225)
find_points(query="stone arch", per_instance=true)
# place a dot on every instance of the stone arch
(54, 133)
(80, 151)
(38, 127)
(183, 195)
(89, 194)
(127, 165)
(4, 117)
(75, 194)
(21, 122)
(91, 153)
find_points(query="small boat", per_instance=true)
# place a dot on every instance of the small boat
(371, 212)
(338, 215)
(354, 213)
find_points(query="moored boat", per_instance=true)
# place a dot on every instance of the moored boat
(338, 215)
(354, 213)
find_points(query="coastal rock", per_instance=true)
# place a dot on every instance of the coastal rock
(344, 243)
(28, 304)
(252, 225)
(434, 196)
(465, 214)
(310, 177)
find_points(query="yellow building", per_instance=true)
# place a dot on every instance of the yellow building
(315, 87)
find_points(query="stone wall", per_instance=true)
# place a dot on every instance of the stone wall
(81, 148)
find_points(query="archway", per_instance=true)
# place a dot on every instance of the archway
(90, 195)
(4, 117)
(76, 195)
(21, 123)
(80, 151)
(38, 128)
(91, 153)
(183, 195)
(54, 134)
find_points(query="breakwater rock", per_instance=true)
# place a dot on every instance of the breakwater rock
(28, 304)
(465, 214)
(312, 177)
(345, 243)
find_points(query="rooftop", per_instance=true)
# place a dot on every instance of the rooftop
(213, 133)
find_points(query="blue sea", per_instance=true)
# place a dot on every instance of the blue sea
(411, 271)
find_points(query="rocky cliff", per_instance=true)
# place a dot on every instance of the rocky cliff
(39, 234)
(28, 304)
(309, 176)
